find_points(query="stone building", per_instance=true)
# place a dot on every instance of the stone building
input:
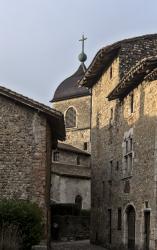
(70, 182)
(28, 133)
(75, 103)
(123, 79)
(71, 172)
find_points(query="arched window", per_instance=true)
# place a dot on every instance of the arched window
(78, 201)
(70, 118)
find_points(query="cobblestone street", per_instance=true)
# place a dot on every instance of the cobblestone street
(77, 245)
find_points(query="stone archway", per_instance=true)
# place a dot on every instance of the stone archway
(131, 217)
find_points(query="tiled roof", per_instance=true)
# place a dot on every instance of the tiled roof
(142, 70)
(104, 57)
(152, 75)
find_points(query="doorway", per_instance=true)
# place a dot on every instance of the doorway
(146, 229)
(131, 227)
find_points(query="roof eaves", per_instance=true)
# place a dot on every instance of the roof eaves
(68, 147)
(70, 97)
(133, 77)
(97, 66)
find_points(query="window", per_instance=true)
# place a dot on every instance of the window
(119, 222)
(132, 103)
(78, 160)
(128, 154)
(56, 156)
(111, 72)
(85, 145)
(70, 118)
(117, 165)
(110, 170)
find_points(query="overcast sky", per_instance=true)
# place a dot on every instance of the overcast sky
(39, 38)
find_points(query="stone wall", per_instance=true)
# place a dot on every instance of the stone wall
(77, 136)
(70, 158)
(25, 154)
(65, 189)
(110, 189)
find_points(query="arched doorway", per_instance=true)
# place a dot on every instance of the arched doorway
(130, 211)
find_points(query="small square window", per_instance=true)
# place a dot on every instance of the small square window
(56, 156)
(85, 145)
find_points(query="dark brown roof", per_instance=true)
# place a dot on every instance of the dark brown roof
(68, 147)
(53, 115)
(104, 57)
(145, 69)
(70, 88)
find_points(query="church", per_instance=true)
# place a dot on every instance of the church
(71, 170)
(123, 81)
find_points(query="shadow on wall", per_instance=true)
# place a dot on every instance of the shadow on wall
(111, 187)
(69, 222)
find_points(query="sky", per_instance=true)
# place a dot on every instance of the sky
(39, 44)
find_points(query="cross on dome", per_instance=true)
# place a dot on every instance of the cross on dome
(82, 57)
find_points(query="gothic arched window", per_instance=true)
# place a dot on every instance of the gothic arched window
(70, 118)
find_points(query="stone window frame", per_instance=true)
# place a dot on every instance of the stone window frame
(128, 154)
(73, 120)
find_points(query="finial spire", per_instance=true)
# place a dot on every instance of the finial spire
(82, 57)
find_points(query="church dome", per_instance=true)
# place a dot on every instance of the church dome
(69, 88)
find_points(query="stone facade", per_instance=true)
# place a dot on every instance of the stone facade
(71, 174)
(80, 134)
(71, 178)
(28, 132)
(66, 189)
(123, 151)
